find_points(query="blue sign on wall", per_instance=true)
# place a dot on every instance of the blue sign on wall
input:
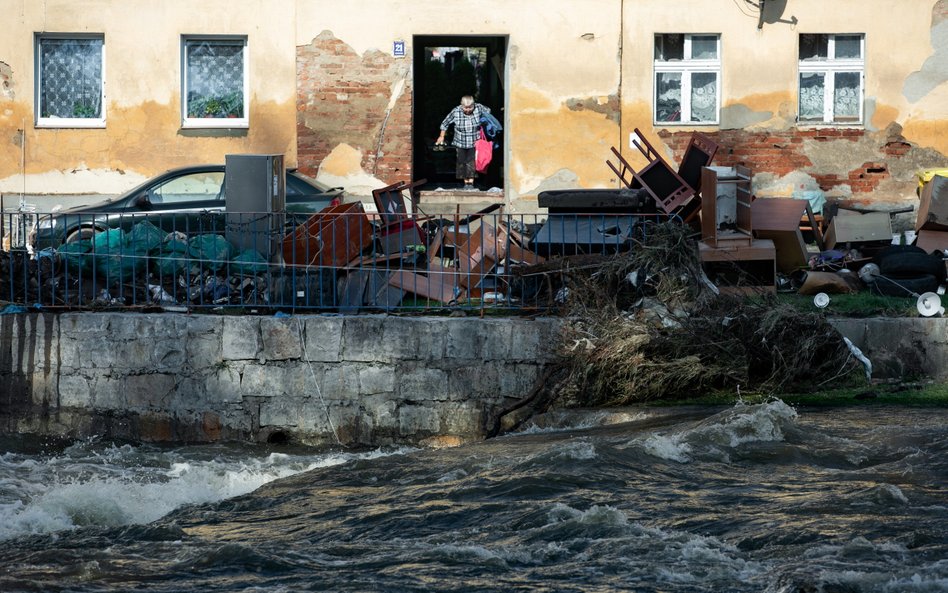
(398, 49)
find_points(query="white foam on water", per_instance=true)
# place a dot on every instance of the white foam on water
(124, 485)
(670, 447)
(721, 433)
(595, 515)
(916, 583)
(551, 423)
(580, 450)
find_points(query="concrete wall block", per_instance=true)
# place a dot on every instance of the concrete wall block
(416, 383)
(347, 420)
(323, 338)
(462, 418)
(222, 385)
(83, 323)
(292, 379)
(203, 339)
(340, 382)
(854, 329)
(153, 391)
(376, 379)
(285, 411)
(259, 379)
(70, 353)
(281, 338)
(315, 417)
(154, 353)
(103, 352)
(517, 380)
(399, 339)
(474, 382)
(362, 339)
(498, 339)
(147, 326)
(75, 391)
(33, 340)
(529, 345)
(44, 390)
(240, 338)
(465, 340)
(382, 412)
(108, 392)
(417, 421)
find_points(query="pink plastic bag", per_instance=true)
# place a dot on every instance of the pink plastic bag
(483, 151)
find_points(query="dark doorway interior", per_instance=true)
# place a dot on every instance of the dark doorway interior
(445, 69)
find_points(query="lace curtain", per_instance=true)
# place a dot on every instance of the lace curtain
(71, 78)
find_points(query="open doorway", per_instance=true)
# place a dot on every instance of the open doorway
(445, 69)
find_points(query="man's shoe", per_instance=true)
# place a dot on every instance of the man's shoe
(468, 187)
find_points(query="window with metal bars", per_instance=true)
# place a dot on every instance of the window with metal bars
(70, 80)
(214, 82)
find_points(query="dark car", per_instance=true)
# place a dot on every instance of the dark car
(188, 200)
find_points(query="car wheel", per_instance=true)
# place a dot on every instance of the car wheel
(912, 265)
(81, 234)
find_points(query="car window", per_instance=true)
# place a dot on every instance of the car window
(193, 187)
(295, 187)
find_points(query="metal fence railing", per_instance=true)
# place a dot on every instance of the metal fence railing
(340, 260)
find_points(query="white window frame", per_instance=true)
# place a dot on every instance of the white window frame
(214, 122)
(64, 122)
(686, 67)
(829, 67)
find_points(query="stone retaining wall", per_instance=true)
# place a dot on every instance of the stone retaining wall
(360, 380)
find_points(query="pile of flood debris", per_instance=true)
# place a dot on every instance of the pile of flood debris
(648, 325)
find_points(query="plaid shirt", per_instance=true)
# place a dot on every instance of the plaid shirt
(465, 125)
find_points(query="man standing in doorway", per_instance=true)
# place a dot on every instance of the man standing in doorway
(466, 118)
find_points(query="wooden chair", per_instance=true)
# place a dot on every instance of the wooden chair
(675, 192)
(698, 155)
(399, 226)
(663, 184)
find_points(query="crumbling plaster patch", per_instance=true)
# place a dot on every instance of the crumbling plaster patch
(343, 167)
(6, 81)
(562, 179)
(608, 106)
(934, 70)
(737, 117)
(760, 112)
(835, 156)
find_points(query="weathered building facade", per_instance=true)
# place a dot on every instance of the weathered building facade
(848, 97)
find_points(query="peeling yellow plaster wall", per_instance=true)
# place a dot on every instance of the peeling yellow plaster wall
(142, 49)
(927, 134)
(551, 137)
(137, 143)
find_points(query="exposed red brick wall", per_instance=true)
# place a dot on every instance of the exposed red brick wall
(343, 97)
(781, 153)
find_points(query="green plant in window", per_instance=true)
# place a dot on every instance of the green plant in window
(232, 104)
(218, 106)
(83, 110)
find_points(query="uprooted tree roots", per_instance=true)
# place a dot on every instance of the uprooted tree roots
(648, 325)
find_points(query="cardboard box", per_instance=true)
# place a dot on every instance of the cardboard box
(932, 240)
(858, 228)
(778, 219)
(933, 205)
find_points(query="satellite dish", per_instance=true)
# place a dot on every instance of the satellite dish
(821, 300)
(929, 305)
